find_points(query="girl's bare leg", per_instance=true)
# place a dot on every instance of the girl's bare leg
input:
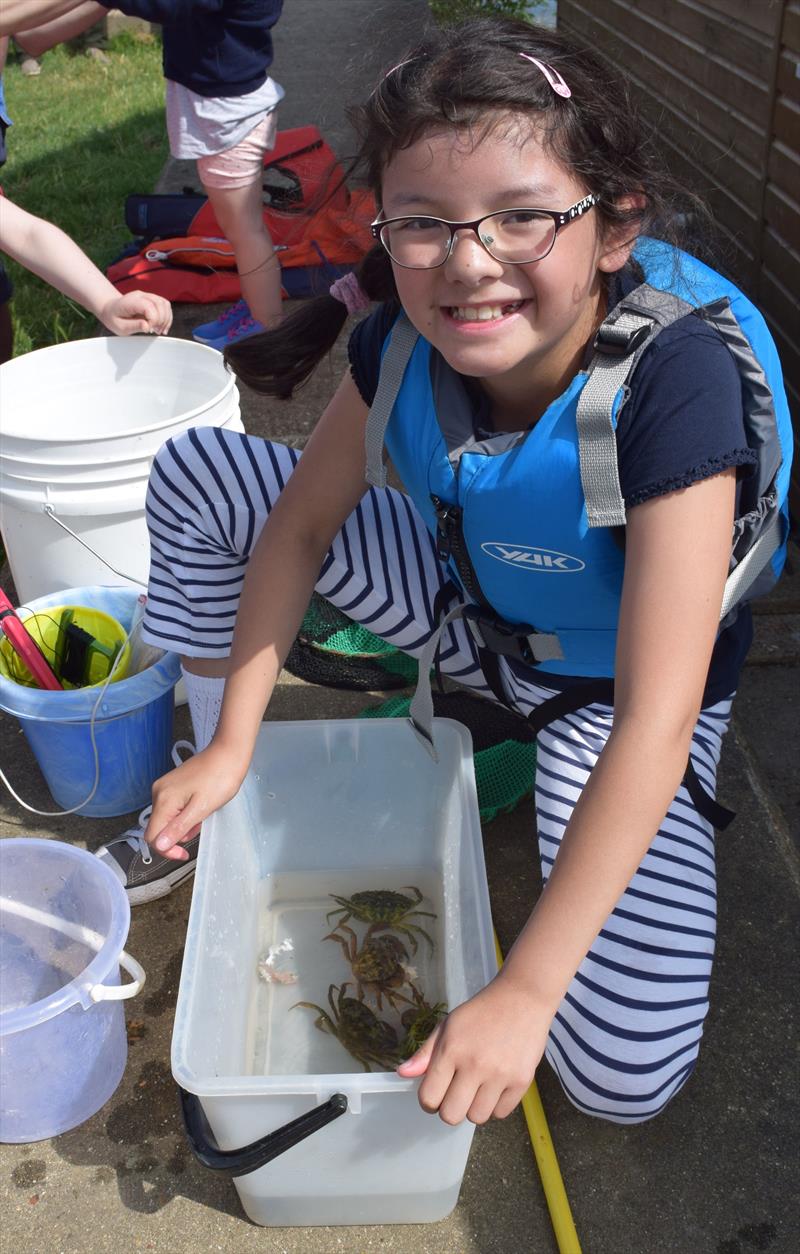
(239, 211)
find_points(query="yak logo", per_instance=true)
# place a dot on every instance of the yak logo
(524, 557)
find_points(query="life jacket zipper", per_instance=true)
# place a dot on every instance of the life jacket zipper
(450, 543)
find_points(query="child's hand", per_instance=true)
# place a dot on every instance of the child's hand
(480, 1062)
(137, 311)
(187, 795)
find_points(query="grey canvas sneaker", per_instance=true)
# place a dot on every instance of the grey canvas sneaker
(143, 873)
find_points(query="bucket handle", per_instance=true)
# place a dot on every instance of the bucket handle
(119, 992)
(240, 1162)
(51, 513)
(86, 936)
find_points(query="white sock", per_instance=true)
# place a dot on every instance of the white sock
(205, 703)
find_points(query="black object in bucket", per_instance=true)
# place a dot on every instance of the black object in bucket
(332, 650)
(241, 1162)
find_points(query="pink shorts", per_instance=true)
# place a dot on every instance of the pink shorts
(241, 165)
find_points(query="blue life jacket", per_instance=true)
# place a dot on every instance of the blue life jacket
(525, 518)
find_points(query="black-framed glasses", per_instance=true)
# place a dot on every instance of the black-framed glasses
(512, 236)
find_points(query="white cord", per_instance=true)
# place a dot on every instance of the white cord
(52, 814)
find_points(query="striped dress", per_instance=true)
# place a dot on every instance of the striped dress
(627, 1034)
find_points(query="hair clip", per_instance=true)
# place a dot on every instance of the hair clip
(399, 66)
(349, 291)
(553, 77)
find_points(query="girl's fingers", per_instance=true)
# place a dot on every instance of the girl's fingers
(172, 823)
(178, 830)
(418, 1063)
(485, 1103)
(509, 1100)
(459, 1096)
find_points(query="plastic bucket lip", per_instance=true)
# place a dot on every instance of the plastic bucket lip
(119, 699)
(102, 964)
(186, 416)
(76, 706)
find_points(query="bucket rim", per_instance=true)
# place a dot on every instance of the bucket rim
(75, 706)
(76, 991)
(187, 418)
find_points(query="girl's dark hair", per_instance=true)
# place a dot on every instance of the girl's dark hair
(470, 77)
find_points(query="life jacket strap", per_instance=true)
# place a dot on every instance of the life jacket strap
(395, 360)
(619, 343)
(615, 345)
(601, 692)
(743, 576)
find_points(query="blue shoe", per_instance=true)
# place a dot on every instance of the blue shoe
(209, 332)
(239, 331)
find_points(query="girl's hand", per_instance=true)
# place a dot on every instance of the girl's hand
(187, 795)
(481, 1060)
(137, 311)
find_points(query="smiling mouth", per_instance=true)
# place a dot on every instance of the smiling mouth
(483, 313)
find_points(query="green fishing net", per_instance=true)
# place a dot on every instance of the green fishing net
(333, 651)
(504, 747)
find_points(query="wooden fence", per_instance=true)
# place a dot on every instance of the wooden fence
(722, 77)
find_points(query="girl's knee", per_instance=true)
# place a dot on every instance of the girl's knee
(626, 1085)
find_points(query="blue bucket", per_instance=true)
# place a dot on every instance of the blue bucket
(133, 724)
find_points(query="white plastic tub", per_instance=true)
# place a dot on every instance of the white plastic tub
(81, 424)
(352, 802)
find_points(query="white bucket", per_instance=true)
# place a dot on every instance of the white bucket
(81, 423)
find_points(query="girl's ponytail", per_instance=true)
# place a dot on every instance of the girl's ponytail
(278, 362)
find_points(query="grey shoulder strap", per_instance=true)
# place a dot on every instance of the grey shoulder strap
(393, 366)
(743, 576)
(620, 341)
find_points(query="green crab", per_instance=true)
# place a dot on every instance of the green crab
(381, 909)
(419, 1022)
(365, 1037)
(379, 966)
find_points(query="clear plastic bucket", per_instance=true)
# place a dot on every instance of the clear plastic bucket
(132, 723)
(81, 425)
(64, 919)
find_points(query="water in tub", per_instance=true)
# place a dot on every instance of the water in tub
(298, 964)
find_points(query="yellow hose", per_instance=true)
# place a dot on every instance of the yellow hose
(549, 1171)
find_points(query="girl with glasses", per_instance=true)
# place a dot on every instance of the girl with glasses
(522, 208)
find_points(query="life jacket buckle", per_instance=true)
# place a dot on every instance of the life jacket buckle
(615, 341)
(499, 636)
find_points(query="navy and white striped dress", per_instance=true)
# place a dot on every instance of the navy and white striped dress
(627, 1034)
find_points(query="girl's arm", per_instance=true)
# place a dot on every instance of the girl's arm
(41, 37)
(482, 1059)
(20, 15)
(45, 250)
(325, 487)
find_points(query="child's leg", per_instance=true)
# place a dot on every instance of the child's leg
(627, 1035)
(210, 493)
(233, 181)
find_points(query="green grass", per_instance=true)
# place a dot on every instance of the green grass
(84, 137)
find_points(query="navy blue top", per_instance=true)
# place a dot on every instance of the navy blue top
(682, 422)
(213, 47)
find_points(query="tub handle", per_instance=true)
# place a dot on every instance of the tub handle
(240, 1162)
(119, 992)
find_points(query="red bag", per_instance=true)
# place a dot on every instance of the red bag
(312, 250)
